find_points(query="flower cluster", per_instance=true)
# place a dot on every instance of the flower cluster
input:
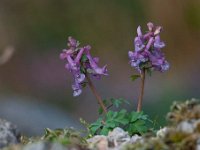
(80, 63)
(147, 54)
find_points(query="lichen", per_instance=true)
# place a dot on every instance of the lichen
(180, 111)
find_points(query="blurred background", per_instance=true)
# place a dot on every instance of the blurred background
(35, 88)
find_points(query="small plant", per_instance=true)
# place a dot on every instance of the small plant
(64, 136)
(133, 122)
(113, 103)
(81, 64)
(146, 58)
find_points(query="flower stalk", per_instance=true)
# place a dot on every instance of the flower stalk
(96, 94)
(139, 105)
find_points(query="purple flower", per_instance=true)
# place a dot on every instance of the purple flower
(158, 43)
(147, 54)
(79, 63)
(138, 44)
(96, 70)
(77, 89)
(158, 61)
(138, 58)
(92, 64)
(65, 53)
(72, 43)
(79, 77)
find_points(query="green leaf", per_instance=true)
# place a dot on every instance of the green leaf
(134, 77)
(100, 110)
(122, 117)
(141, 129)
(98, 122)
(104, 131)
(84, 84)
(109, 114)
(126, 102)
(123, 121)
(83, 69)
(118, 117)
(94, 129)
(84, 58)
(145, 65)
(122, 114)
(110, 124)
(116, 102)
(138, 127)
(132, 129)
(123, 111)
(144, 117)
(134, 116)
(106, 103)
(133, 122)
(149, 71)
(139, 123)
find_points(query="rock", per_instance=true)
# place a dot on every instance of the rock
(135, 138)
(197, 125)
(14, 147)
(182, 111)
(8, 134)
(99, 142)
(44, 146)
(198, 144)
(116, 140)
(188, 126)
(162, 132)
(117, 137)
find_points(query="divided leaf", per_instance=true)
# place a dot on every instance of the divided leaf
(133, 122)
(135, 77)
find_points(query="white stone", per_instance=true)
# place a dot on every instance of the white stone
(186, 126)
(162, 132)
(99, 141)
(198, 144)
(118, 136)
(135, 138)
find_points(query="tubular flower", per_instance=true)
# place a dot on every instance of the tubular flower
(79, 62)
(147, 53)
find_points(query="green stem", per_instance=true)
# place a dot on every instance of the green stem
(96, 94)
(139, 106)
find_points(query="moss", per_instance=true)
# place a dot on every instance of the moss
(187, 110)
(148, 144)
